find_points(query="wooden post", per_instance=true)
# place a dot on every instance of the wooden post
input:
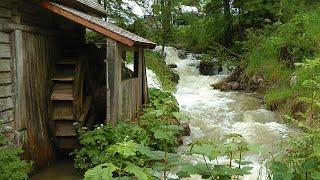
(20, 96)
(145, 97)
(114, 79)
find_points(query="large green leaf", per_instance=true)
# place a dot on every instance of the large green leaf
(189, 169)
(137, 171)
(280, 171)
(101, 172)
(207, 150)
(125, 149)
(166, 132)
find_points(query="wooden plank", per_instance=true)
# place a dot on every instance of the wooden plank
(6, 116)
(5, 78)
(6, 91)
(68, 143)
(5, 50)
(4, 21)
(20, 97)
(63, 111)
(4, 12)
(114, 79)
(6, 103)
(85, 109)
(62, 92)
(65, 128)
(5, 65)
(5, 3)
(4, 37)
(68, 61)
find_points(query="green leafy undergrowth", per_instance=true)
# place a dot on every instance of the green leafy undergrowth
(300, 157)
(126, 150)
(274, 51)
(11, 166)
(234, 148)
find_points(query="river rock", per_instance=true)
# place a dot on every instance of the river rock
(234, 85)
(186, 129)
(223, 86)
(182, 54)
(172, 66)
(208, 68)
(175, 77)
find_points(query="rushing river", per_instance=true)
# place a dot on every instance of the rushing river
(214, 114)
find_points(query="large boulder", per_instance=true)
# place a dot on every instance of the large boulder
(182, 54)
(208, 68)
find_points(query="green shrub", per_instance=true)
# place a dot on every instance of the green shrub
(11, 166)
(95, 144)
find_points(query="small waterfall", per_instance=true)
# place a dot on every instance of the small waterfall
(214, 114)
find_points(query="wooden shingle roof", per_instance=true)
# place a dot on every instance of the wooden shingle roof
(88, 6)
(99, 25)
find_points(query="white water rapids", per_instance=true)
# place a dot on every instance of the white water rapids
(214, 114)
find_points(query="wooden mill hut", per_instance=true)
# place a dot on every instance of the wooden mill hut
(50, 79)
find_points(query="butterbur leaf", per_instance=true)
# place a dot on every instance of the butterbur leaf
(280, 171)
(165, 132)
(226, 170)
(189, 169)
(136, 171)
(101, 172)
(310, 164)
(207, 150)
(125, 149)
(242, 162)
(315, 175)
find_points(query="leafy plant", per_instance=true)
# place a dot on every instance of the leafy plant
(122, 167)
(301, 157)
(233, 148)
(11, 166)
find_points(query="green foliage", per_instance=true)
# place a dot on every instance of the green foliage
(163, 72)
(11, 166)
(301, 157)
(95, 144)
(123, 168)
(234, 147)
(127, 150)
(93, 37)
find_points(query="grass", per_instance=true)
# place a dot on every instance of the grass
(155, 63)
(302, 37)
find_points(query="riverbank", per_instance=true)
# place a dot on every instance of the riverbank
(214, 114)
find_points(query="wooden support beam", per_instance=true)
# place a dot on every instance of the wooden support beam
(20, 97)
(26, 28)
(114, 79)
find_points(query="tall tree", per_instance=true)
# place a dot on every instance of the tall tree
(163, 11)
(121, 12)
(228, 33)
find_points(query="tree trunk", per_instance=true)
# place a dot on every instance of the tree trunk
(228, 26)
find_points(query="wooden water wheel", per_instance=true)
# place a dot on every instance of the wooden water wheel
(70, 103)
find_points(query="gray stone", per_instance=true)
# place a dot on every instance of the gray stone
(172, 66)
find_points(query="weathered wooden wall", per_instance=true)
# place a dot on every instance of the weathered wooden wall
(35, 55)
(7, 123)
(31, 39)
(125, 97)
(131, 102)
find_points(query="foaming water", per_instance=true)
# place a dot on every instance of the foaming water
(214, 114)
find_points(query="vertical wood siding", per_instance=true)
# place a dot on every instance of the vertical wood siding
(38, 53)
